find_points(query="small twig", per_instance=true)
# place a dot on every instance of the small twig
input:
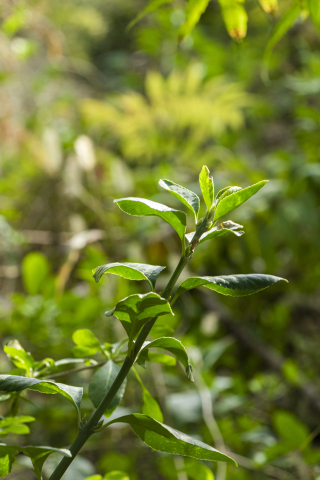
(76, 370)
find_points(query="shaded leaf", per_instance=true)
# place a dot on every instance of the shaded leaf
(290, 429)
(234, 285)
(194, 10)
(172, 345)
(131, 271)
(187, 197)
(35, 269)
(206, 185)
(152, 5)
(236, 199)
(13, 383)
(166, 439)
(19, 356)
(101, 383)
(162, 358)
(141, 207)
(269, 6)
(150, 405)
(135, 310)
(7, 455)
(197, 470)
(222, 229)
(38, 456)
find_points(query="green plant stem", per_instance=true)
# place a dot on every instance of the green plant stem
(88, 429)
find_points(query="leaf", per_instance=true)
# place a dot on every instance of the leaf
(197, 471)
(314, 10)
(222, 229)
(131, 271)
(150, 405)
(187, 197)
(141, 207)
(35, 269)
(290, 429)
(163, 438)
(87, 343)
(101, 383)
(236, 199)
(194, 10)
(116, 475)
(172, 345)
(13, 383)
(135, 310)
(162, 358)
(38, 456)
(15, 425)
(269, 6)
(7, 455)
(19, 356)
(235, 18)
(152, 5)
(206, 185)
(234, 285)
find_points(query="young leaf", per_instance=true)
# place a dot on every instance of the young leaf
(194, 10)
(152, 5)
(235, 18)
(206, 185)
(135, 310)
(228, 191)
(141, 207)
(187, 197)
(19, 356)
(38, 456)
(163, 438)
(172, 345)
(269, 6)
(234, 285)
(131, 271)
(14, 383)
(225, 227)
(234, 200)
(15, 425)
(86, 341)
(101, 383)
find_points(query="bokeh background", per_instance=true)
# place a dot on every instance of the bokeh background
(91, 111)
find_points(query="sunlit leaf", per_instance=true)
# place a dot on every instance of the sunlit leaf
(206, 185)
(166, 439)
(35, 269)
(194, 10)
(19, 356)
(101, 383)
(131, 271)
(269, 6)
(223, 229)
(87, 343)
(235, 18)
(187, 197)
(141, 207)
(7, 455)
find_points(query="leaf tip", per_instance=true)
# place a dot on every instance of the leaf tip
(189, 372)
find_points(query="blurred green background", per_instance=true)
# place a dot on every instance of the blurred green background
(91, 111)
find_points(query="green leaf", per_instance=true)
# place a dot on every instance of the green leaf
(187, 197)
(222, 229)
(141, 207)
(235, 18)
(226, 192)
(152, 5)
(234, 200)
(194, 10)
(162, 358)
(290, 429)
(116, 475)
(38, 456)
(35, 269)
(234, 285)
(101, 383)
(16, 429)
(269, 6)
(206, 185)
(150, 405)
(197, 470)
(15, 425)
(314, 10)
(7, 455)
(19, 356)
(135, 310)
(87, 343)
(13, 383)
(131, 271)
(166, 439)
(172, 345)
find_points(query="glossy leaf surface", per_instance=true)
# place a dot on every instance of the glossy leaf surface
(187, 197)
(234, 200)
(223, 229)
(163, 438)
(101, 383)
(131, 271)
(206, 185)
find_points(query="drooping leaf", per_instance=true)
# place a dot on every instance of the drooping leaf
(235, 18)
(101, 383)
(163, 438)
(236, 199)
(206, 185)
(38, 456)
(134, 311)
(35, 269)
(234, 285)
(14, 383)
(141, 207)
(223, 229)
(86, 341)
(152, 5)
(172, 345)
(131, 271)
(187, 197)
(194, 10)
(314, 10)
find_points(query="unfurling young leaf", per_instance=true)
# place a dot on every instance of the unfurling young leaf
(206, 185)
(222, 229)
(187, 197)
(269, 6)
(166, 439)
(20, 357)
(131, 271)
(235, 18)
(101, 383)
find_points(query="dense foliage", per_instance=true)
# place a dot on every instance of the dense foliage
(93, 111)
